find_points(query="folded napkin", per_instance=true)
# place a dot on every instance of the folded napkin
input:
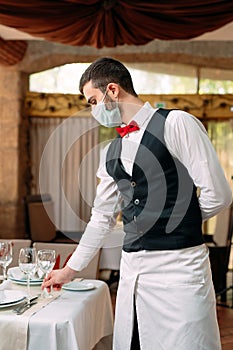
(57, 263)
(39, 275)
(67, 259)
(17, 274)
(58, 260)
(5, 285)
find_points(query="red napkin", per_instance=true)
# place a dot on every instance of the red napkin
(66, 261)
(57, 263)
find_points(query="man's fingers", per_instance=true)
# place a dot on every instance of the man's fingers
(47, 282)
(54, 279)
(57, 286)
(47, 278)
(47, 285)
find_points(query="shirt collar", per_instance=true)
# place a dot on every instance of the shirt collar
(144, 113)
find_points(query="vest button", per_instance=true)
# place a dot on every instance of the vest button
(133, 184)
(136, 201)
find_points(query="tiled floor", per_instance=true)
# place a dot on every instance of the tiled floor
(225, 320)
(225, 317)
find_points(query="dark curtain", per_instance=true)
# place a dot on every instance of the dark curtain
(110, 23)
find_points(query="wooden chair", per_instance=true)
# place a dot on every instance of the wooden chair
(17, 244)
(39, 209)
(40, 214)
(219, 245)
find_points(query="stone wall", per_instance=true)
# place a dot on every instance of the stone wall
(43, 55)
(13, 156)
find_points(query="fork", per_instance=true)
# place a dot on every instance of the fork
(26, 307)
(26, 302)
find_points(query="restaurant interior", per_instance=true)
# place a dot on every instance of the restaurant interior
(180, 56)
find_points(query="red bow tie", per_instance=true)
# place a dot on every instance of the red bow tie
(132, 126)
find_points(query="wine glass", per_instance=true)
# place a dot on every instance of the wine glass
(5, 256)
(46, 259)
(27, 264)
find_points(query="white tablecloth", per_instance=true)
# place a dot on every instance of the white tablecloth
(73, 321)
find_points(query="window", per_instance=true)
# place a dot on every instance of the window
(148, 78)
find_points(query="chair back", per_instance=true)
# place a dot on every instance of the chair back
(223, 237)
(17, 244)
(230, 235)
(40, 211)
(222, 227)
(64, 250)
(219, 252)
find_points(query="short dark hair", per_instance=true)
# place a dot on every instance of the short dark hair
(107, 70)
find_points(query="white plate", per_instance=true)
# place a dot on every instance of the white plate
(11, 304)
(24, 283)
(11, 297)
(78, 286)
(17, 276)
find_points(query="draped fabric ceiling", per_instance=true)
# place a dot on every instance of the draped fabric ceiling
(109, 23)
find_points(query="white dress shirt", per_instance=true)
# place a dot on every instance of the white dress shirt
(187, 140)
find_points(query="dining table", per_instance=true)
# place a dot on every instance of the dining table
(78, 317)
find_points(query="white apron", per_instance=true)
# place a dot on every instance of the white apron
(175, 301)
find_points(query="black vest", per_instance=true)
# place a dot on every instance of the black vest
(160, 209)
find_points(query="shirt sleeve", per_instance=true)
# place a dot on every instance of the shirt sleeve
(187, 140)
(103, 218)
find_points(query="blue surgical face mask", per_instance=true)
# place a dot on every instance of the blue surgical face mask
(107, 117)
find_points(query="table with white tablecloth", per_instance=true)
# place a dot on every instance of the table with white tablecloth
(74, 320)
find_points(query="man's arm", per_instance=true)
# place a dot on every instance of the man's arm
(104, 213)
(188, 141)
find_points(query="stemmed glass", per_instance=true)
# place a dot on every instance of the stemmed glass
(27, 264)
(5, 256)
(46, 259)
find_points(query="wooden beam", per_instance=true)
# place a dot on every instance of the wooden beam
(202, 106)
(205, 107)
(55, 105)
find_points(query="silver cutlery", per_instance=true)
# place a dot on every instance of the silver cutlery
(26, 303)
(26, 307)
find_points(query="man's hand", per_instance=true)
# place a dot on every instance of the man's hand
(57, 278)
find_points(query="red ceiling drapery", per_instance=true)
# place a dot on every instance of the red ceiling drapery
(12, 51)
(110, 23)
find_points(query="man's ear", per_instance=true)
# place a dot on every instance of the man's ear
(114, 90)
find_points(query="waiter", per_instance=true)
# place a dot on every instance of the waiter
(163, 174)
